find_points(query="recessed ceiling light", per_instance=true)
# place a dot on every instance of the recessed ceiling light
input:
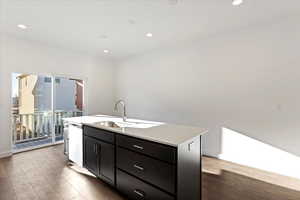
(149, 34)
(173, 2)
(131, 21)
(22, 26)
(103, 36)
(106, 51)
(237, 2)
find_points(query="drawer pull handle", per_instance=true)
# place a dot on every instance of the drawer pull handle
(138, 167)
(140, 193)
(138, 147)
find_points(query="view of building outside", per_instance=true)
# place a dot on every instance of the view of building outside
(32, 105)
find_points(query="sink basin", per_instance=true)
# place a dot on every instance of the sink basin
(108, 124)
(111, 124)
(132, 124)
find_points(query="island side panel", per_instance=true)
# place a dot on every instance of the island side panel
(189, 170)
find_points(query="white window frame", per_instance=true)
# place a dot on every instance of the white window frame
(53, 105)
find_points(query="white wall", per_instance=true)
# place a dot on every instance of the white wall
(246, 80)
(30, 57)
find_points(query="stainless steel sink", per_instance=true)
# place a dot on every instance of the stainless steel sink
(108, 124)
(127, 124)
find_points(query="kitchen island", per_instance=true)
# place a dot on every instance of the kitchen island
(142, 159)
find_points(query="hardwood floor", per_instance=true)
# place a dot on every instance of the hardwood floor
(44, 174)
(228, 181)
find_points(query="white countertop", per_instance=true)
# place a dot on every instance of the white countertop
(159, 132)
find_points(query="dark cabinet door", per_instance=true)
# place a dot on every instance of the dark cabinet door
(91, 150)
(107, 162)
(158, 173)
(135, 189)
(99, 158)
(158, 151)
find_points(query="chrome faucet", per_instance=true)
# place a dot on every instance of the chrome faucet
(124, 108)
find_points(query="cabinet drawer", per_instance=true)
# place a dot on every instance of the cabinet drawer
(156, 172)
(136, 190)
(159, 151)
(99, 134)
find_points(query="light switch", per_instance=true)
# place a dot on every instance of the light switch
(191, 145)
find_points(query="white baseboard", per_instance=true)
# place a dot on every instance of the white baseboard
(209, 154)
(5, 154)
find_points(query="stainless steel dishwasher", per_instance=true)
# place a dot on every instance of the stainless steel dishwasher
(74, 142)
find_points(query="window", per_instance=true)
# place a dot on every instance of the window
(39, 107)
(47, 79)
(20, 84)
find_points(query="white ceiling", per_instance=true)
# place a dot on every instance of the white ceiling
(82, 24)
